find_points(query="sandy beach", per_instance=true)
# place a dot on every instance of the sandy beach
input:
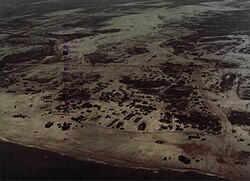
(51, 165)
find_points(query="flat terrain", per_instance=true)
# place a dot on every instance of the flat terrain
(155, 84)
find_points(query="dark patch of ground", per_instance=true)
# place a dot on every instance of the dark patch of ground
(239, 118)
(146, 86)
(243, 88)
(227, 81)
(98, 58)
(37, 53)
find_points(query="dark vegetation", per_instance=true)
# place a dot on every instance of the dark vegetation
(94, 58)
(36, 53)
(227, 81)
(239, 118)
(243, 88)
(147, 86)
(136, 50)
(74, 93)
(201, 121)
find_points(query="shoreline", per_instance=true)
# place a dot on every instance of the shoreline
(159, 173)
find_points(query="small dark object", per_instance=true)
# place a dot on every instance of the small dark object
(96, 118)
(79, 118)
(107, 116)
(137, 50)
(128, 117)
(65, 126)
(119, 124)
(65, 52)
(113, 122)
(142, 126)
(193, 137)
(179, 129)
(159, 141)
(19, 116)
(49, 124)
(137, 119)
(184, 159)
